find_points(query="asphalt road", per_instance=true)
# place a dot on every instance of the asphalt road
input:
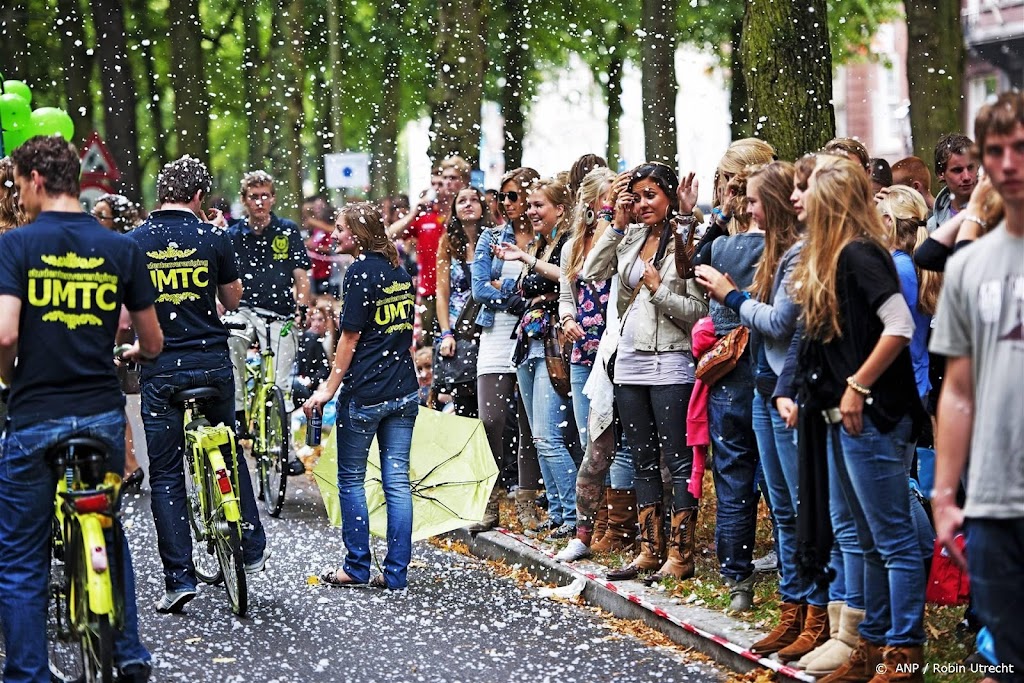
(457, 621)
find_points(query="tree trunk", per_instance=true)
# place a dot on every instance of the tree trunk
(739, 125)
(658, 76)
(77, 68)
(191, 100)
(517, 59)
(286, 98)
(384, 163)
(252, 60)
(155, 109)
(788, 65)
(935, 71)
(119, 99)
(614, 96)
(458, 94)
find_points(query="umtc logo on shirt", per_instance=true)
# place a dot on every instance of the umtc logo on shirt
(175, 275)
(394, 312)
(279, 246)
(70, 287)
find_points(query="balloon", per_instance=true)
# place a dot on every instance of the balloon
(52, 121)
(13, 139)
(19, 88)
(15, 114)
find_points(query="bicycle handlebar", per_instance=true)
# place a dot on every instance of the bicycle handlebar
(264, 313)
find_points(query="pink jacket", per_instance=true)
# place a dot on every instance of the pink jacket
(697, 433)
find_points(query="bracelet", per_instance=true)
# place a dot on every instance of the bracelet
(447, 333)
(606, 215)
(566, 317)
(975, 219)
(620, 233)
(607, 208)
(852, 382)
(686, 218)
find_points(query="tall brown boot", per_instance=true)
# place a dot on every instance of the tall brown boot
(652, 546)
(791, 623)
(680, 564)
(903, 664)
(860, 667)
(600, 520)
(622, 519)
(490, 519)
(815, 633)
(526, 509)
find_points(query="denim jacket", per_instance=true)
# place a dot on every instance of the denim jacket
(487, 267)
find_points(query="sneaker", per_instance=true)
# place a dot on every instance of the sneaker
(767, 564)
(564, 531)
(136, 672)
(258, 565)
(174, 601)
(576, 550)
(296, 467)
(546, 525)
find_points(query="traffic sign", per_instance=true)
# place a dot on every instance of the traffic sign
(347, 169)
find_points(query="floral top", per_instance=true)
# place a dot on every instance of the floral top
(591, 307)
(459, 293)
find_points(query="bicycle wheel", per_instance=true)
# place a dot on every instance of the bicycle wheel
(63, 649)
(227, 542)
(203, 556)
(94, 632)
(273, 463)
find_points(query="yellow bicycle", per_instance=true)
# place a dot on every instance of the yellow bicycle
(83, 608)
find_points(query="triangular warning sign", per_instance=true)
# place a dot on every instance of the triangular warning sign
(97, 162)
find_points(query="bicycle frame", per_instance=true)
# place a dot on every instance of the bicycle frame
(205, 443)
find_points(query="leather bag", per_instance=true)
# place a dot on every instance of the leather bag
(722, 358)
(557, 350)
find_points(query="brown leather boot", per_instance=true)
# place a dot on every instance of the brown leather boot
(903, 664)
(815, 633)
(600, 520)
(490, 519)
(652, 547)
(679, 564)
(860, 667)
(791, 624)
(622, 519)
(526, 509)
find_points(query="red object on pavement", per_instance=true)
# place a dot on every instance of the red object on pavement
(948, 584)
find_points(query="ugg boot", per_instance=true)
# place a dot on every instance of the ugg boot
(842, 646)
(652, 546)
(622, 520)
(903, 664)
(679, 564)
(490, 519)
(526, 509)
(835, 609)
(600, 520)
(815, 633)
(791, 623)
(860, 667)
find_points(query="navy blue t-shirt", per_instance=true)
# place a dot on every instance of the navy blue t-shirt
(379, 303)
(72, 275)
(266, 262)
(186, 260)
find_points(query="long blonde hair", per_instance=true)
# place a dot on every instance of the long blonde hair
(365, 222)
(589, 192)
(908, 212)
(556, 192)
(839, 211)
(741, 153)
(781, 228)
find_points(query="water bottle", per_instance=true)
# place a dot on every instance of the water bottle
(314, 428)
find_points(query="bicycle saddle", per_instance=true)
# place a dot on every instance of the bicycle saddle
(84, 443)
(194, 394)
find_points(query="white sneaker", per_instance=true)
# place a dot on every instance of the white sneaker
(575, 550)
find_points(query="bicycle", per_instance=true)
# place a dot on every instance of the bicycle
(211, 487)
(83, 609)
(266, 418)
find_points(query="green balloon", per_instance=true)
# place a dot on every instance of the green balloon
(15, 114)
(19, 88)
(13, 139)
(52, 121)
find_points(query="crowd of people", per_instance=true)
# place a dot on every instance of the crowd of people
(801, 341)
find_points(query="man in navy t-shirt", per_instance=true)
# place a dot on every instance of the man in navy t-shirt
(274, 265)
(191, 265)
(63, 279)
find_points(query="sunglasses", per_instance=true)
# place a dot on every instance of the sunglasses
(511, 196)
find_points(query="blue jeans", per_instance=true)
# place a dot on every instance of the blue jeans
(847, 555)
(734, 463)
(578, 376)
(549, 416)
(165, 438)
(777, 444)
(875, 486)
(391, 422)
(995, 559)
(27, 488)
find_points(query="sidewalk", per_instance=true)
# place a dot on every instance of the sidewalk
(711, 632)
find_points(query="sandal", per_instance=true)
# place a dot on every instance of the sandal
(378, 581)
(331, 578)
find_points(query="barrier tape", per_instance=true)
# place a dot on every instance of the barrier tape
(685, 625)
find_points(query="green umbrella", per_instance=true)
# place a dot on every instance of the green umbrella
(451, 470)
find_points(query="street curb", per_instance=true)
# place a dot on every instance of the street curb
(713, 633)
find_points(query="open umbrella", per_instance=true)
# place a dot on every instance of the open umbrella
(451, 470)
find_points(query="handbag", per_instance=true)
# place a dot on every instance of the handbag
(459, 368)
(722, 358)
(557, 350)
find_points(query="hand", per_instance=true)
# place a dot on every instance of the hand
(985, 202)
(132, 354)
(216, 218)
(718, 285)
(620, 182)
(788, 410)
(447, 347)
(687, 194)
(651, 277)
(508, 251)
(882, 194)
(949, 520)
(851, 407)
(316, 402)
(573, 330)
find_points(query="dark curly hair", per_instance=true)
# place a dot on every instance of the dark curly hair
(179, 180)
(52, 157)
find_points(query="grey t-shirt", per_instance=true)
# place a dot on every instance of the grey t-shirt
(981, 315)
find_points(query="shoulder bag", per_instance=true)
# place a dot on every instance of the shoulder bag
(557, 351)
(722, 358)
(461, 367)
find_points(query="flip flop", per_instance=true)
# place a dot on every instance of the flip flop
(330, 577)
